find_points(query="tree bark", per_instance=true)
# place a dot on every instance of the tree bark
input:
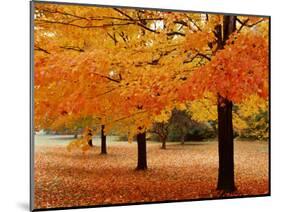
(225, 144)
(225, 125)
(103, 141)
(75, 135)
(141, 142)
(163, 140)
(182, 139)
(90, 141)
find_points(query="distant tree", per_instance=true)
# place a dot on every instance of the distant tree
(182, 122)
(162, 130)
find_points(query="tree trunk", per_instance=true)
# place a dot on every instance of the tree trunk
(182, 140)
(103, 141)
(225, 126)
(90, 141)
(141, 141)
(163, 140)
(225, 144)
(75, 135)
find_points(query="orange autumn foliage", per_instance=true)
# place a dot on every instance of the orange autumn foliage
(124, 67)
(237, 71)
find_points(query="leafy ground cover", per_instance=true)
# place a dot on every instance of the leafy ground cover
(181, 172)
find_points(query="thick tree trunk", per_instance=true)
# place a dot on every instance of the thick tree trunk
(141, 141)
(225, 144)
(103, 141)
(225, 126)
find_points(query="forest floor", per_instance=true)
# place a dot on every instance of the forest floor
(181, 172)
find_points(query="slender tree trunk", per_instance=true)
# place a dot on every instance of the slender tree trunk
(75, 135)
(225, 126)
(182, 139)
(141, 141)
(90, 141)
(225, 144)
(103, 141)
(163, 140)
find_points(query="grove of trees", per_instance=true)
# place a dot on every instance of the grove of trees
(132, 71)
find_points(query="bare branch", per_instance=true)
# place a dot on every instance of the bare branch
(113, 37)
(93, 18)
(61, 13)
(123, 36)
(242, 24)
(37, 48)
(106, 77)
(74, 48)
(135, 21)
(196, 56)
(101, 94)
(194, 23)
(245, 23)
(84, 27)
(175, 33)
(181, 22)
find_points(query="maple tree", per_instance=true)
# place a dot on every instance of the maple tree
(126, 76)
(129, 68)
(162, 130)
(232, 74)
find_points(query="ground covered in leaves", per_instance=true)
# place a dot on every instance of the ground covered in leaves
(181, 172)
